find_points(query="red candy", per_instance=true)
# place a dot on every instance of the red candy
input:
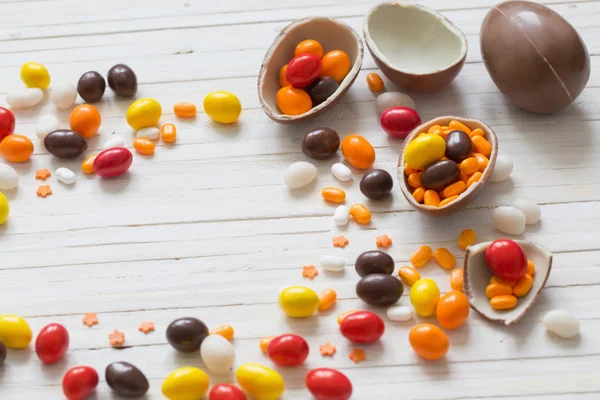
(328, 384)
(288, 350)
(79, 382)
(52, 343)
(506, 259)
(362, 327)
(398, 122)
(113, 162)
(303, 70)
(7, 122)
(225, 391)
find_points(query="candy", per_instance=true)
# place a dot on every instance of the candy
(91, 86)
(469, 165)
(293, 101)
(332, 263)
(398, 122)
(87, 166)
(424, 150)
(113, 162)
(452, 310)
(14, 330)
(79, 382)
(523, 286)
(440, 174)
(341, 172)
(421, 256)
(7, 122)
(45, 125)
(334, 195)
(143, 113)
(144, 146)
(16, 148)
(414, 180)
(341, 215)
(224, 330)
(444, 258)
(186, 334)
(482, 160)
(66, 176)
(480, 145)
(509, 220)
(328, 384)
(224, 391)
(476, 177)
(217, 354)
(456, 279)
(343, 315)
(506, 259)
(114, 141)
(51, 343)
(9, 179)
(505, 282)
(431, 198)
(321, 143)
(374, 262)
(503, 302)
(126, 379)
(3, 353)
(563, 323)
(4, 212)
(383, 241)
(282, 81)
(408, 275)
(85, 120)
(454, 189)
(336, 64)
(185, 383)
(362, 327)
(65, 143)
(309, 47)
(184, 110)
(298, 301)
(122, 80)
(264, 343)
(399, 313)
(222, 107)
(497, 289)
(375, 82)
(340, 241)
(360, 214)
(288, 350)
(459, 146)
(394, 99)
(376, 184)
(424, 296)
(260, 382)
(150, 133)
(530, 268)
(322, 89)
(303, 69)
(24, 97)
(64, 95)
(299, 175)
(358, 151)
(168, 133)
(35, 75)
(502, 169)
(428, 341)
(419, 195)
(530, 209)
(379, 289)
(327, 299)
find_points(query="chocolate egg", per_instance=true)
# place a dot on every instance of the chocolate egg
(91, 86)
(376, 184)
(322, 89)
(321, 143)
(186, 334)
(126, 379)
(440, 174)
(65, 143)
(379, 289)
(534, 56)
(458, 146)
(374, 262)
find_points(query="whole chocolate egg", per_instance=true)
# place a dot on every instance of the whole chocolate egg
(535, 57)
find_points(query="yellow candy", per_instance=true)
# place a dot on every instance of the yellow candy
(35, 75)
(298, 301)
(185, 383)
(424, 150)
(143, 113)
(14, 331)
(260, 382)
(4, 209)
(424, 296)
(222, 107)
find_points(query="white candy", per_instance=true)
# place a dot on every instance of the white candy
(299, 175)
(399, 313)
(9, 179)
(46, 124)
(332, 263)
(64, 95)
(66, 176)
(394, 99)
(217, 354)
(152, 133)
(24, 97)
(341, 215)
(564, 323)
(341, 172)
(502, 169)
(532, 211)
(114, 141)
(509, 220)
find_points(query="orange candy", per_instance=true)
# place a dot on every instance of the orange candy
(523, 286)
(444, 258)
(467, 238)
(431, 198)
(85, 120)
(408, 170)
(264, 343)
(408, 275)
(282, 79)
(476, 177)
(309, 47)
(447, 201)
(144, 146)
(16, 148)
(343, 315)
(87, 166)
(360, 214)
(421, 256)
(455, 125)
(457, 279)
(375, 82)
(505, 282)
(414, 180)
(452, 310)
(358, 151)
(455, 189)
(184, 110)
(483, 161)
(469, 166)
(293, 101)
(333, 195)
(429, 341)
(503, 302)
(419, 194)
(477, 132)
(496, 289)
(336, 64)
(168, 133)
(530, 268)
(327, 299)
(481, 145)
(224, 330)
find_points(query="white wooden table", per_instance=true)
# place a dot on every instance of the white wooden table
(207, 229)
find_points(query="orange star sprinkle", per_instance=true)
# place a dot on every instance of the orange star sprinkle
(44, 191)
(309, 272)
(146, 326)
(340, 241)
(327, 349)
(90, 319)
(116, 338)
(357, 355)
(42, 174)
(384, 241)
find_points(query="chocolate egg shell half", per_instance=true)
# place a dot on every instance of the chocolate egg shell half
(65, 143)
(440, 174)
(534, 56)
(186, 334)
(126, 379)
(374, 262)
(379, 289)
(321, 143)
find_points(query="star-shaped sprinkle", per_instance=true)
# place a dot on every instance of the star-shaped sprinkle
(42, 174)
(309, 272)
(384, 241)
(327, 349)
(44, 191)
(357, 355)
(116, 338)
(340, 241)
(90, 319)
(146, 326)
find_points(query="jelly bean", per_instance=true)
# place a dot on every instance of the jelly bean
(4, 212)
(91, 86)
(447, 201)
(327, 299)
(497, 289)
(375, 82)
(374, 262)
(476, 177)
(217, 354)
(52, 343)
(482, 160)
(456, 125)
(64, 95)
(3, 353)
(222, 107)
(143, 113)
(505, 282)
(45, 125)
(224, 330)
(454, 189)
(35, 75)
(408, 275)
(24, 98)
(144, 146)
(224, 391)
(341, 215)
(7, 122)
(414, 180)
(16, 148)
(503, 302)
(509, 220)
(321, 89)
(65, 143)
(293, 101)
(358, 151)
(360, 214)
(477, 132)
(424, 150)
(328, 384)
(398, 122)
(113, 162)
(168, 133)
(341, 172)
(464, 177)
(299, 175)
(186, 334)
(9, 179)
(424, 296)
(379, 289)
(394, 99)
(87, 166)
(288, 350)
(122, 80)
(336, 64)
(260, 382)
(79, 382)
(458, 146)
(530, 266)
(66, 176)
(469, 165)
(298, 301)
(444, 258)
(334, 195)
(452, 310)
(303, 69)
(264, 343)
(399, 313)
(185, 383)
(343, 315)
(480, 145)
(309, 47)
(114, 141)
(502, 169)
(523, 286)
(439, 174)
(421, 256)
(184, 110)
(457, 279)
(563, 323)
(332, 263)
(282, 80)
(126, 379)
(362, 327)
(530, 209)
(419, 194)
(429, 341)
(150, 133)
(321, 143)
(14, 330)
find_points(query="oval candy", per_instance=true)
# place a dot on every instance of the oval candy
(65, 143)
(260, 382)
(376, 184)
(52, 343)
(379, 289)
(217, 354)
(458, 146)
(79, 382)
(298, 301)
(113, 162)
(362, 327)
(15, 332)
(328, 384)
(321, 143)
(185, 383)
(288, 350)
(126, 379)
(374, 262)
(440, 174)
(186, 334)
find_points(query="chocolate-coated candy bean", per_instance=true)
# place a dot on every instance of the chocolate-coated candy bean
(399, 121)
(65, 143)
(440, 174)
(288, 350)
(91, 86)
(113, 162)
(376, 184)
(322, 89)
(186, 334)
(362, 327)
(126, 379)
(458, 146)
(328, 384)
(321, 143)
(122, 80)
(224, 391)
(303, 70)
(52, 343)
(379, 289)
(79, 382)
(374, 262)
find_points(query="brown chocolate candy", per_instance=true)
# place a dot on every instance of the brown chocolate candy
(65, 143)
(376, 184)
(126, 379)
(321, 89)
(122, 80)
(91, 86)
(374, 262)
(440, 174)
(458, 146)
(321, 143)
(186, 334)
(379, 289)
